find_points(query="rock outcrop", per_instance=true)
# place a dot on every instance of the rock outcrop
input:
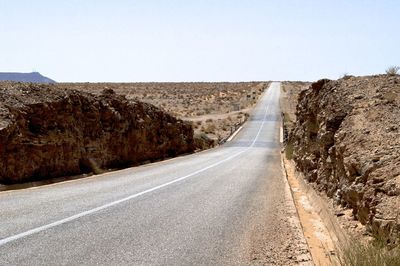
(347, 142)
(47, 132)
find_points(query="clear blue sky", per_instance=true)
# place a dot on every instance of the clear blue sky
(203, 40)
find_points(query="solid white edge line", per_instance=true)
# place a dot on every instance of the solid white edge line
(105, 206)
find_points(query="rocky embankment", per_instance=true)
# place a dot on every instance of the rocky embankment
(48, 132)
(346, 141)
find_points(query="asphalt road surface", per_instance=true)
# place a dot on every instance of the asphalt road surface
(216, 207)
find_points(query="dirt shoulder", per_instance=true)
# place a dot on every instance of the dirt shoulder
(318, 226)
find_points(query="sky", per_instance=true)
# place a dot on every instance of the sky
(203, 40)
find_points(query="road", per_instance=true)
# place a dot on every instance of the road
(222, 206)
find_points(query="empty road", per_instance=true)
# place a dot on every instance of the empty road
(224, 206)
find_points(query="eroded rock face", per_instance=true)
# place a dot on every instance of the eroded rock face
(347, 142)
(48, 132)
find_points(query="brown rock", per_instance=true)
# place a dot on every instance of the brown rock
(347, 141)
(47, 132)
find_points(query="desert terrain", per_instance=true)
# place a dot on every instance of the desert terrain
(214, 109)
(57, 130)
(340, 147)
(227, 205)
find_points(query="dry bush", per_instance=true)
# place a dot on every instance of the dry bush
(210, 128)
(393, 70)
(374, 253)
(346, 76)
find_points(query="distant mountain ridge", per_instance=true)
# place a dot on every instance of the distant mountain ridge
(34, 77)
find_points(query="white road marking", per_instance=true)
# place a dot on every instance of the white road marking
(105, 206)
(108, 205)
(261, 127)
(235, 133)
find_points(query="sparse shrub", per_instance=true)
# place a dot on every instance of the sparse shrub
(346, 76)
(393, 70)
(202, 141)
(286, 119)
(210, 128)
(91, 165)
(289, 151)
(374, 253)
(209, 120)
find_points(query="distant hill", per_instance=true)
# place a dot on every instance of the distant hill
(34, 77)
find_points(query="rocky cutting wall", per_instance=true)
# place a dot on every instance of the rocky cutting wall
(47, 132)
(347, 142)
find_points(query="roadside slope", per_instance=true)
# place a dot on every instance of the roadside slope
(346, 141)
